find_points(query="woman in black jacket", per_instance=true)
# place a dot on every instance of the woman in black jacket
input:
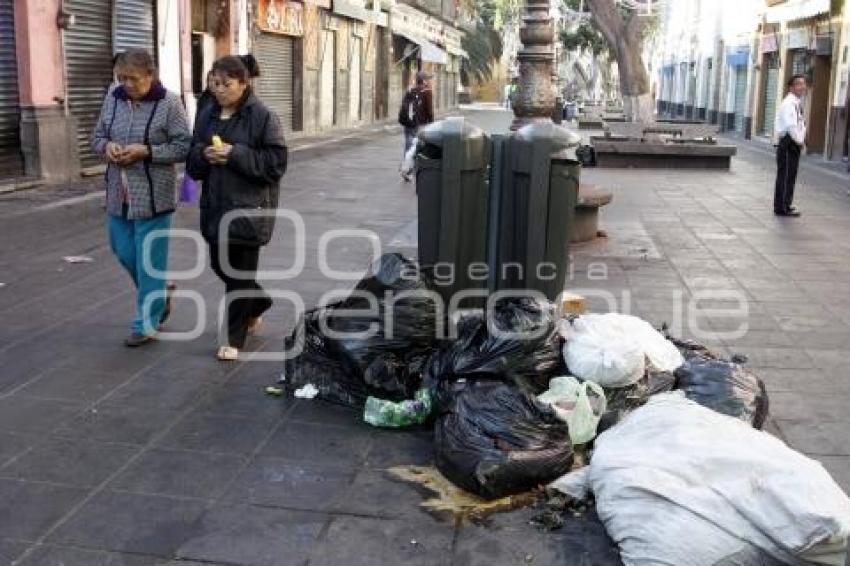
(239, 153)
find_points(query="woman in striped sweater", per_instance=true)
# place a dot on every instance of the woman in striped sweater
(142, 133)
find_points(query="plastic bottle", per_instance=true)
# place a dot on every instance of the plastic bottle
(389, 414)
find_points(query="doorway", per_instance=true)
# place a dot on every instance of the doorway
(819, 93)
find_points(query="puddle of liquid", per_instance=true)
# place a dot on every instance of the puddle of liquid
(454, 504)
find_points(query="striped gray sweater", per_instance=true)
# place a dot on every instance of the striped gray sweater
(158, 121)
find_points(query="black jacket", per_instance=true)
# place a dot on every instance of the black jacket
(204, 101)
(250, 180)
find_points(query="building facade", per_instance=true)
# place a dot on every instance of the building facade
(727, 62)
(325, 64)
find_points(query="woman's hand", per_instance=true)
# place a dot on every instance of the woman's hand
(114, 152)
(218, 155)
(133, 153)
(211, 155)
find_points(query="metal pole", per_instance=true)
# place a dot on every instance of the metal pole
(535, 98)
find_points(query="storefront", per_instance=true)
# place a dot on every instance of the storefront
(11, 161)
(361, 81)
(276, 49)
(100, 30)
(416, 48)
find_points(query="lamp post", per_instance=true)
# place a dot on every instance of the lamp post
(535, 98)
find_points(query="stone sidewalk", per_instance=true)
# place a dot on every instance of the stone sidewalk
(162, 455)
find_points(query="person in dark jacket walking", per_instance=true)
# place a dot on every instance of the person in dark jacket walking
(417, 110)
(207, 98)
(238, 152)
(142, 133)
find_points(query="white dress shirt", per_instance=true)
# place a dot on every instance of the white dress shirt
(789, 120)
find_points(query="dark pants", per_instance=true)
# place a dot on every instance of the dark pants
(239, 312)
(787, 160)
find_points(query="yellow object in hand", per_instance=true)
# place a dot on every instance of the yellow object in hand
(216, 141)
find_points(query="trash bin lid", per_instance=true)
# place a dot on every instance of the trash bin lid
(561, 137)
(472, 140)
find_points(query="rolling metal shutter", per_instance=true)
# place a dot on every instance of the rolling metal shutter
(769, 113)
(11, 161)
(88, 56)
(134, 26)
(275, 54)
(740, 97)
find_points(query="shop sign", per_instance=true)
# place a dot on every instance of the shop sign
(453, 40)
(326, 4)
(769, 43)
(798, 38)
(357, 10)
(281, 16)
(410, 22)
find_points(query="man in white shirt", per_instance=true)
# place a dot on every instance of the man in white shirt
(790, 131)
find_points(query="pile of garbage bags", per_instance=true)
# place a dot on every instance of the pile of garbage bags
(679, 468)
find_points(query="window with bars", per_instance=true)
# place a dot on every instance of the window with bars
(801, 63)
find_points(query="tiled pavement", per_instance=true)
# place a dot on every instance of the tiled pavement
(163, 456)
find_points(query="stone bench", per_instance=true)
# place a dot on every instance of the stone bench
(591, 122)
(680, 132)
(660, 155)
(586, 224)
(630, 130)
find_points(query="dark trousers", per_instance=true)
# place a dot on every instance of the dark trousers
(239, 312)
(787, 160)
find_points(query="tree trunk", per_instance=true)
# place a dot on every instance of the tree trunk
(625, 37)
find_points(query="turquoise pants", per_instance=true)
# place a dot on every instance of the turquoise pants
(127, 237)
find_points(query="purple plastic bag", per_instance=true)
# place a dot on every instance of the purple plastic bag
(188, 190)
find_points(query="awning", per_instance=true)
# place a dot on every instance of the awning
(427, 50)
(796, 10)
(738, 56)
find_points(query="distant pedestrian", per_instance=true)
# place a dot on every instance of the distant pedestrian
(207, 98)
(142, 132)
(115, 82)
(239, 154)
(790, 132)
(417, 110)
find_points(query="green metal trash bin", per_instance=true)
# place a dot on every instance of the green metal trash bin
(451, 184)
(536, 209)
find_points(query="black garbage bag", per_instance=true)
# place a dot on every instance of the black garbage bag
(725, 387)
(316, 364)
(495, 440)
(404, 324)
(529, 356)
(690, 348)
(369, 351)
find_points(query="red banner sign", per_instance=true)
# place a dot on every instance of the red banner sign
(281, 16)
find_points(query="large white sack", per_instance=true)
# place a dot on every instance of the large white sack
(676, 483)
(612, 349)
